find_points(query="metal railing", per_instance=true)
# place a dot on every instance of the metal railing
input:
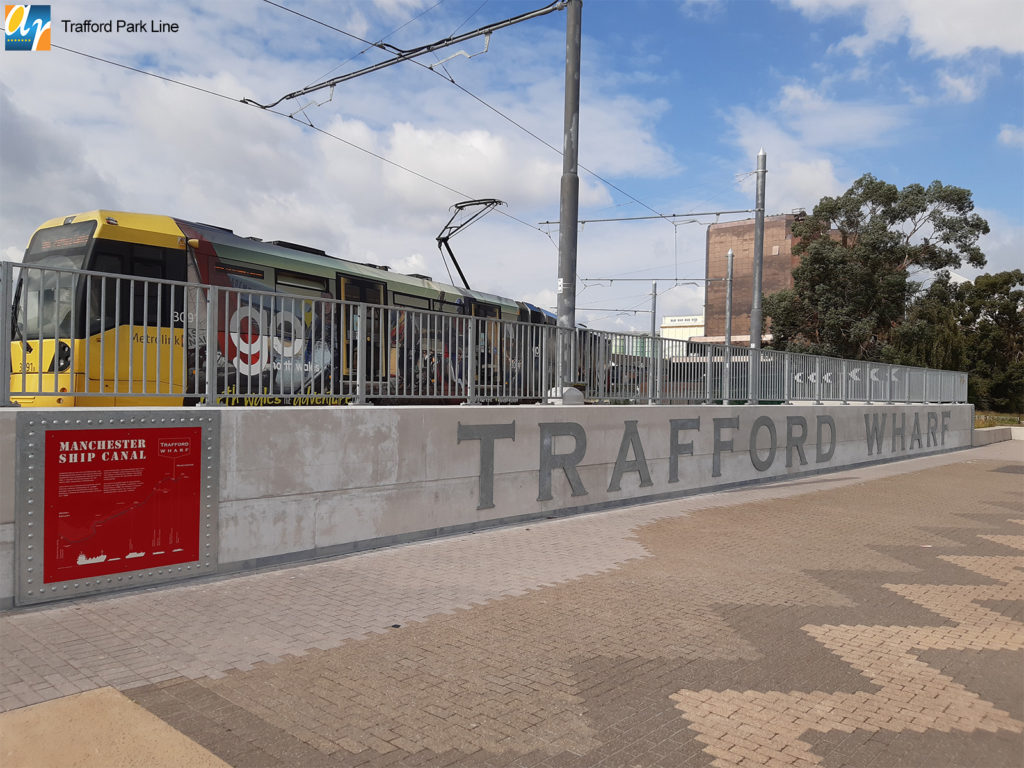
(105, 339)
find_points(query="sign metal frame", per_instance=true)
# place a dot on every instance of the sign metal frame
(30, 502)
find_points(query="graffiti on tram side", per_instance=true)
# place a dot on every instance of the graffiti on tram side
(769, 443)
(278, 348)
(263, 400)
(306, 352)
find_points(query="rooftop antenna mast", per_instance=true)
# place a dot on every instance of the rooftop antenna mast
(483, 207)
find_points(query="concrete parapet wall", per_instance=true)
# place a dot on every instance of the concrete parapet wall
(316, 481)
(298, 483)
(990, 435)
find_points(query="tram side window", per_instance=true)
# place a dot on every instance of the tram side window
(305, 285)
(480, 309)
(412, 302)
(101, 302)
(363, 291)
(138, 302)
(149, 304)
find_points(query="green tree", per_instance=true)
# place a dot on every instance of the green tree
(858, 253)
(934, 333)
(975, 327)
(994, 323)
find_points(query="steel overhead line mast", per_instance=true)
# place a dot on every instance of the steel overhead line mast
(413, 53)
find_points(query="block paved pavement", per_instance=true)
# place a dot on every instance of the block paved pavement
(873, 617)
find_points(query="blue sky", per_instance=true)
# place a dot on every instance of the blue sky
(677, 99)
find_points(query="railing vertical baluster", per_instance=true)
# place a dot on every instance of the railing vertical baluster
(87, 292)
(131, 331)
(132, 287)
(817, 380)
(186, 329)
(73, 327)
(160, 349)
(545, 376)
(844, 383)
(787, 372)
(39, 314)
(360, 339)
(707, 374)
(471, 360)
(7, 318)
(211, 345)
(103, 333)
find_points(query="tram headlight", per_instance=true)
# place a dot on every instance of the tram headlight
(62, 358)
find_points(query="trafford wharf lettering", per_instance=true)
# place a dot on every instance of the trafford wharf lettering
(769, 441)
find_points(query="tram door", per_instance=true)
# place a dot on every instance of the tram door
(487, 345)
(371, 336)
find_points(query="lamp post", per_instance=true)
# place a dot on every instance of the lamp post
(754, 373)
(570, 195)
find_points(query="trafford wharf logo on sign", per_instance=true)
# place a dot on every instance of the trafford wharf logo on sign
(26, 27)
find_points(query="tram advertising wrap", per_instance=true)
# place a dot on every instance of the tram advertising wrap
(115, 308)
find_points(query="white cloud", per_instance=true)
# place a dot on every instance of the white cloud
(616, 137)
(1001, 246)
(80, 134)
(38, 155)
(702, 9)
(803, 135)
(400, 9)
(934, 29)
(414, 264)
(820, 121)
(963, 89)
(966, 81)
(1011, 135)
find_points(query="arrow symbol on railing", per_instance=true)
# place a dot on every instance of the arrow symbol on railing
(827, 378)
(813, 378)
(855, 374)
(873, 375)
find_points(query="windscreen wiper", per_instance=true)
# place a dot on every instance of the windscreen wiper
(19, 329)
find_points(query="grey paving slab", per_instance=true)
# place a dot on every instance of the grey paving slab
(809, 622)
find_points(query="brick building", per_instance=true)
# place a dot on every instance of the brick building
(776, 273)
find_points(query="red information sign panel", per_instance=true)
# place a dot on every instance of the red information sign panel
(120, 500)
